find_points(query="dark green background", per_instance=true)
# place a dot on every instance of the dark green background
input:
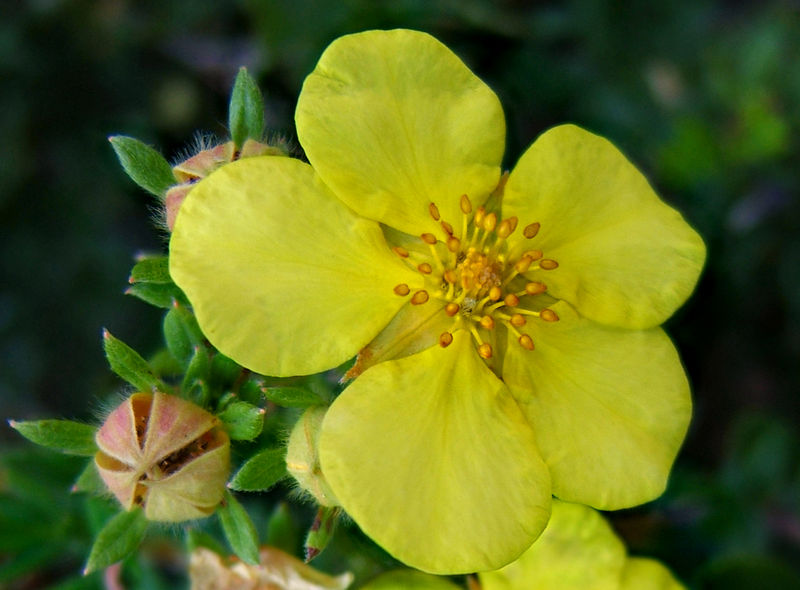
(703, 96)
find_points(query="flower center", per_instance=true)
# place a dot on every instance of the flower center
(479, 278)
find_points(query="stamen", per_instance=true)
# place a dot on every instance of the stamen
(548, 264)
(448, 229)
(533, 254)
(511, 300)
(480, 213)
(466, 205)
(434, 211)
(428, 238)
(453, 244)
(548, 315)
(424, 268)
(513, 221)
(531, 230)
(400, 251)
(419, 297)
(526, 342)
(535, 288)
(523, 264)
(504, 229)
(452, 308)
(402, 290)
(485, 350)
(450, 276)
(490, 222)
(445, 339)
(487, 322)
(518, 320)
(495, 293)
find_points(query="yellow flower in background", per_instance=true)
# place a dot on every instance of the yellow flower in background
(579, 551)
(507, 326)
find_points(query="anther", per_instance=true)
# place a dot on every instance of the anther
(424, 268)
(535, 288)
(495, 293)
(513, 222)
(453, 244)
(428, 238)
(434, 211)
(451, 308)
(487, 322)
(523, 264)
(445, 339)
(466, 205)
(480, 213)
(504, 229)
(518, 320)
(526, 342)
(531, 230)
(400, 251)
(485, 350)
(511, 300)
(402, 290)
(548, 264)
(490, 222)
(548, 315)
(533, 254)
(448, 229)
(419, 297)
(450, 276)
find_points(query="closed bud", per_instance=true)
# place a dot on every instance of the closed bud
(302, 456)
(165, 454)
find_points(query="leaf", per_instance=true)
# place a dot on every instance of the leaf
(89, 481)
(181, 333)
(157, 294)
(152, 269)
(260, 472)
(239, 529)
(243, 421)
(128, 364)
(119, 537)
(293, 397)
(67, 436)
(246, 110)
(143, 164)
(197, 369)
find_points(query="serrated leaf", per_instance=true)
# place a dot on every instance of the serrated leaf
(157, 294)
(260, 472)
(128, 364)
(246, 109)
(181, 333)
(67, 436)
(119, 537)
(239, 529)
(293, 397)
(153, 269)
(143, 164)
(243, 421)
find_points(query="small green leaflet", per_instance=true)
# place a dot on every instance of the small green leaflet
(119, 537)
(246, 110)
(292, 397)
(67, 436)
(128, 364)
(239, 529)
(261, 471)
(143, 164)
(243, 421)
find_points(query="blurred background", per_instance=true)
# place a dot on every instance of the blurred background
(703, 96)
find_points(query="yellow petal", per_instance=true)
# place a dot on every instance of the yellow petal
(409, 580)
(393, 120)
(625, 258)
(433, 459)
(642, 573)
(283, 278)
(610, 407)
(577, 551)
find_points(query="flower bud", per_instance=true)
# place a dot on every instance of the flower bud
(302, 456)
(165, 454)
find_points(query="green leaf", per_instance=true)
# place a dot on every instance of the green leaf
(293, 397)
(197, 369)
(321, 531)
(152, 269)
(128, 364)
(143, 164)
(246, 110)
(119, 537)
(243, 421)
(239, 529)
(225, 371)
(181, 333)
(157, 294)
(260, 472)
(67, 436)
(89, 481)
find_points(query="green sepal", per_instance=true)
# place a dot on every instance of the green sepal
(66, 436)
(246, 110)
(243, 421)
(143, 164)
(261, 471)
(293, 397)
(157, 294)
(128, 364)
(89, 481)
(239, 529)
(151, 269)
(119, 537)
(321, 531)
(181, 333)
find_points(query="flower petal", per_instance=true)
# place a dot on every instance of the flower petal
(610, 407)
(283, 278)
(577, 550)
(394, 120)
(626, 258)
(642, 573)
(433, 459)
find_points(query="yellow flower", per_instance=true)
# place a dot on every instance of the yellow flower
(579, 551)
(508, 328)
